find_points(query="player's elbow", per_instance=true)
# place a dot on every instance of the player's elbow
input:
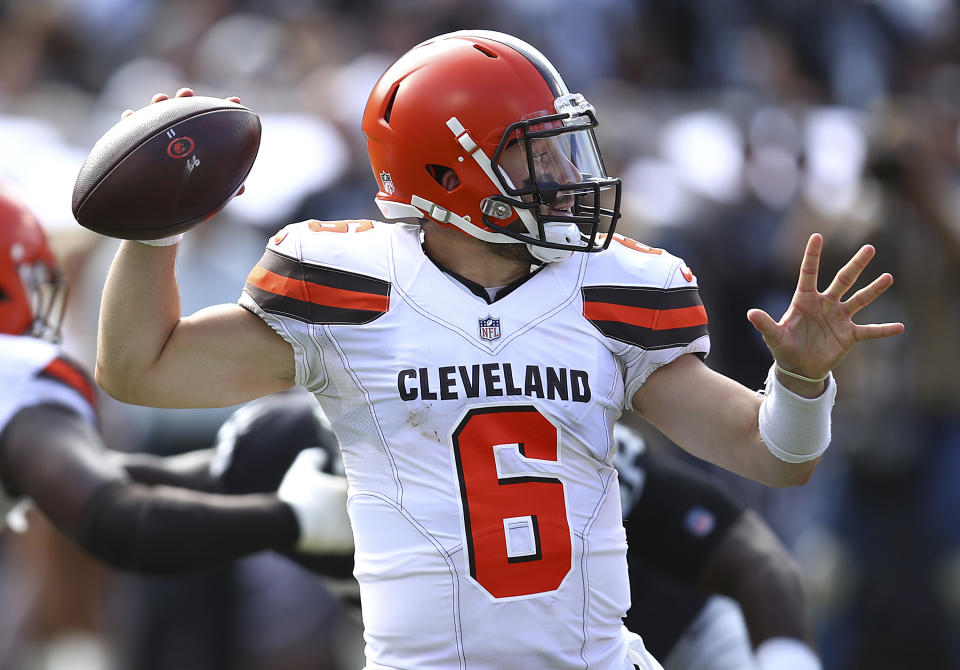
(793, 474)
(110, 380)
(119, 384)
(778, 473)
(778, 576)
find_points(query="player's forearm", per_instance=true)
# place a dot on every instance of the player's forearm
(718, 419)
(750, 456)
(167, 530)
(725, 431)
(751, 565)
(139, 310)
(772, 599)
(190, 470)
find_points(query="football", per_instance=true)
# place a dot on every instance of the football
(167, 167)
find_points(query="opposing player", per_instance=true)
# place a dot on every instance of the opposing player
(51, 453)
(474, 358)
(711, 585)
(254, 450)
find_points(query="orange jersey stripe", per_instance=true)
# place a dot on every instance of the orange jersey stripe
(64, 372)
(655, 319)
(316, 293)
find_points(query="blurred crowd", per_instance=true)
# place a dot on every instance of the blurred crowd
(738, 127)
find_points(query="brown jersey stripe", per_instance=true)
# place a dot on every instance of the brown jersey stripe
(317, 294)
(642, 296)
(308, 312)
(322, 276)
(649, 318)
(647, 338)
(68, 373)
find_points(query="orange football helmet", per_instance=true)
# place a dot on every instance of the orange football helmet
(492, 110)
(32, 290)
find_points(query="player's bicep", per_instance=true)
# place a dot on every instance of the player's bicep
(221, 355)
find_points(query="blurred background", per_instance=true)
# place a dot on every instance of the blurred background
(738, 127)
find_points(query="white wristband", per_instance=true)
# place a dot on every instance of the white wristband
(786, 653)
(795, 429)
(163, 241)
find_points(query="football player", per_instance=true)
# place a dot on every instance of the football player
(51, 453)
(474, 356)
(688, 541)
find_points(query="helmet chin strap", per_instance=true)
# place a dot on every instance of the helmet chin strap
(555, 231)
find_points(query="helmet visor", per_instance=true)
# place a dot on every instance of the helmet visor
(550, 165)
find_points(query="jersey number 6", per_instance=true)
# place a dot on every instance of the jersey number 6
(517, 533)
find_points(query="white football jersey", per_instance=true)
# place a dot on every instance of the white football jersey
(476, 436)
(34, 372)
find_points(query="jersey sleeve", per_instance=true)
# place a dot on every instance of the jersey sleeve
(274, 291)
(646, 303)
(62, 382)
(316, 275)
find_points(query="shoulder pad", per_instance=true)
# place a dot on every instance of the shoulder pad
(643, 296)
(324, 272)
(627, 261)
(348, 245)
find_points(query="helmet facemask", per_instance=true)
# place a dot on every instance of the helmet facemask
(42, 297)
(549, 171)
(47, 292)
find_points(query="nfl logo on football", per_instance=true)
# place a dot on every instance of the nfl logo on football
(490, 328)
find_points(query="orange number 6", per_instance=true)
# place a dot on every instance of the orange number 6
(496, 505)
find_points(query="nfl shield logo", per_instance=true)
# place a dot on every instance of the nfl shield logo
(490, 328)
(387, 182)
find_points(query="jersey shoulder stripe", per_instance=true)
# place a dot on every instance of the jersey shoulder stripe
(314, 293)
(646, 317)
(70, 374)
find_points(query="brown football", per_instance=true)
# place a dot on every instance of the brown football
(167, 167)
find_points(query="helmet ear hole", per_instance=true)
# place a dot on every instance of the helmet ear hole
(393, 98)
(444, 176)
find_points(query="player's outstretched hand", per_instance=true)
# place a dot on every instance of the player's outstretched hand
(817, 330)
(319, 501)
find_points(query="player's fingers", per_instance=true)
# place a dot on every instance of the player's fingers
(810, 266)
(310, 460)
(869, 293)
(158, 97)
(875, 331)
(234, 98)
(762, 321)
(125, 114)
(242, 189)
(184, 92)
(850, 272)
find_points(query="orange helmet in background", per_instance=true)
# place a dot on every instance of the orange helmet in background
(32, 289)
(460, 102)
